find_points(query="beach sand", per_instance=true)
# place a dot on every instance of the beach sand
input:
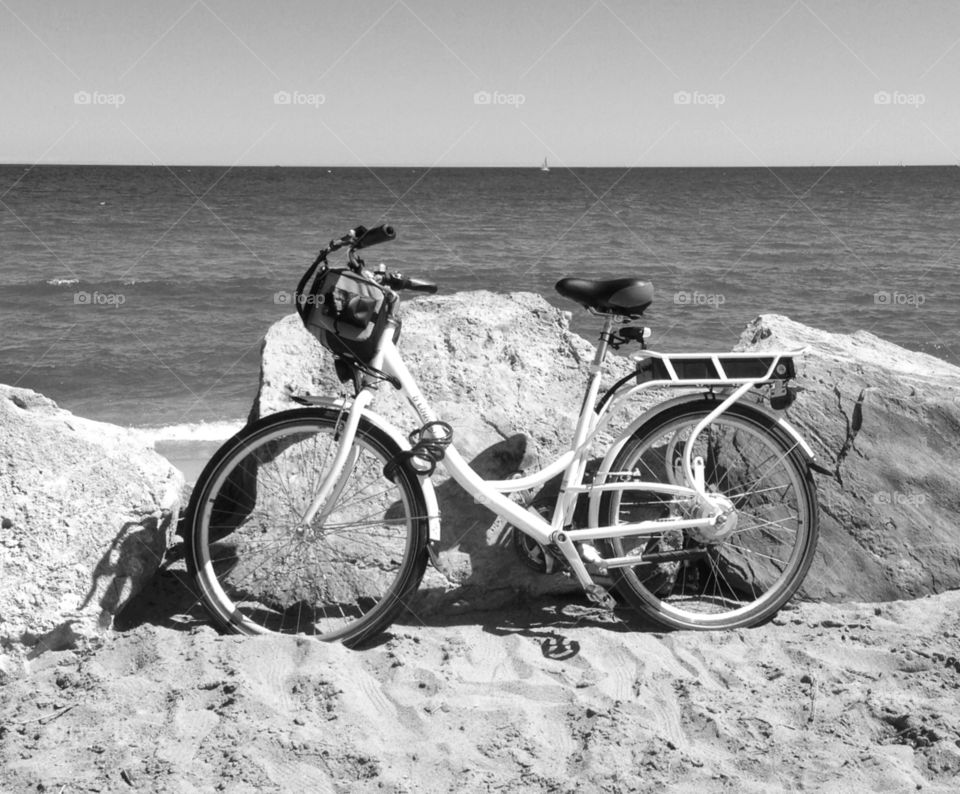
(550, 696)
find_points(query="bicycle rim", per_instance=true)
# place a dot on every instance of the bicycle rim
(703, 581)
(344, 576)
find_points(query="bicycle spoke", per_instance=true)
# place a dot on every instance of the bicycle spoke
(754, 553)
(765, 524)
(764, 474)
(721, 575)
(734, 495)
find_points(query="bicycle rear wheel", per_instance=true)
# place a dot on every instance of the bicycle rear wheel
(347, 574)
(703, 578)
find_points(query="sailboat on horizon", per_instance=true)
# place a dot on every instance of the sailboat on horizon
(544, 167)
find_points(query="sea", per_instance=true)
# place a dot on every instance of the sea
(140, 295)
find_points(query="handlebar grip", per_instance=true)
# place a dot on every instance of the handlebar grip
(417, 285)
(378, 234)
(398, 282)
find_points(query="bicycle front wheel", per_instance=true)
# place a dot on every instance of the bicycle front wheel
(741, 573)
(346, 574)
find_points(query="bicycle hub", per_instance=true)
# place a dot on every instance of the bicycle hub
(725, 524)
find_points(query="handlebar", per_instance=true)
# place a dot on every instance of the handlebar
(378, 234)
(398, 282)
(362, 237)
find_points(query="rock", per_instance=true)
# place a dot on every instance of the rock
(506, 372)
(886, 422)
(85, 513)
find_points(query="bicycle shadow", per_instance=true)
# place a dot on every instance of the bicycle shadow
(169, 599)
(548, 620)
(476, 547)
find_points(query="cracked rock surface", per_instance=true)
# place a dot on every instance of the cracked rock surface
(885, 421)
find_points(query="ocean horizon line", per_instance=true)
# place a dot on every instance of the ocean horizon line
(521, 167)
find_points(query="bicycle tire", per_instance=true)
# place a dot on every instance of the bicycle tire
(344, 578)
(727, 582)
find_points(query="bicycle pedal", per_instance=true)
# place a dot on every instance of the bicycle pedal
(600, 596)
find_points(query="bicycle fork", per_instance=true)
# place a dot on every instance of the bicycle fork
(343, 463)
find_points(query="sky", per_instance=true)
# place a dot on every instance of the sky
(430, 83)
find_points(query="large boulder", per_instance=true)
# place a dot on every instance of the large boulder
(85, 511)
(885, 422)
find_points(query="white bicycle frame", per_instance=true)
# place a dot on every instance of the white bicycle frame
(572, 463)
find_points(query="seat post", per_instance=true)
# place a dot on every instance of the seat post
(606, 334)
(563, 512)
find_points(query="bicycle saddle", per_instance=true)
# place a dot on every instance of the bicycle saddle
(626, 296)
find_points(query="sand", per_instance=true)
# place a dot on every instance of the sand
(189, 455)
(550, 696)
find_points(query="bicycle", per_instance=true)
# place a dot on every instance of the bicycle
(321, 520)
